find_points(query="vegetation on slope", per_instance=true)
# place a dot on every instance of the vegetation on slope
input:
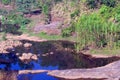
(90, 21)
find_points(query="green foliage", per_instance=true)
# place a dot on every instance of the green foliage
(94, 28)
(110, 3)
(92, 3)
(45, 9)
(106, 12)
(117, 44)
(75, 13)
(68, 31)
(3, 12)
(4, 37)
(116, 11)
(18, 19)
(25, 6)
(6, 2)
(12, 23)
(96, 3)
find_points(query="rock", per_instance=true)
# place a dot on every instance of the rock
(31, 71)
(34, 57)
(51, 29)
(28, 56)
(51, 53)
(27, 45)
(8, 45)
(1, 17)
(108, 72)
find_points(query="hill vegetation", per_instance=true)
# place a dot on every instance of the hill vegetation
(90, 22)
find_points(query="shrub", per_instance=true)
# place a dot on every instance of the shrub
(18, 19)
(91, 3)
(6, 2)
(68, 31)
(117, 13)
(106, 12)
(3, 12)
(96, 3)
(110, 3)
(75, 13)
(94, 28)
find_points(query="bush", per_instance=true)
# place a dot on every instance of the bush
(96, 3)
(18, 19)
(91, 3)
(12, 23)
(6, 2)
(66, 32)
(106, 12)
(117, 13)
(3, 12)
(94, 28)
(75, 13)
(110, 3)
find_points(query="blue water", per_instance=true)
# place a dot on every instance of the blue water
(32, 65)
(42, 76)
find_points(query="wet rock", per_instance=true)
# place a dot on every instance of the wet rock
(27, 45)
(51, 53)
(34, 57)
(108, 72)
(31, 71)
(28, 56)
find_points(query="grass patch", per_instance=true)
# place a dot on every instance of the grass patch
(114, 52)
(50, 37)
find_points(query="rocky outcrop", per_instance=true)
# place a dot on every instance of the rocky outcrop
(108, 72)
(51, 29)
(31, 71)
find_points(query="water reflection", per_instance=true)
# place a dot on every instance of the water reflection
(51, 55)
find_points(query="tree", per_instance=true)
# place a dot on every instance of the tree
(6, 2)
(25, 6)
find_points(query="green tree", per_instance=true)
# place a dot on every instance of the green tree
(6, 2)
(25, 6)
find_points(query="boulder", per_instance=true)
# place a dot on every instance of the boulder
(27, 45)
(108, 72)
(51, 29)
(28, 56)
